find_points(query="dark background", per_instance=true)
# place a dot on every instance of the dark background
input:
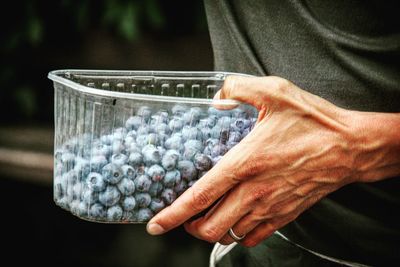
(40, 36)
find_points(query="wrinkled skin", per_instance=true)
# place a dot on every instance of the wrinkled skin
(301, 149)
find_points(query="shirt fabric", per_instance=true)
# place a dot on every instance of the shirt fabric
(347, 52)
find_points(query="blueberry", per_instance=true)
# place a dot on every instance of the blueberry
(192, 147)
(107, 139)
(129, 140)
(58, 187)
(89, 196)
(97, 163)
(206, 133)
(119, 134)
(218, 150)
(112, 173)
(187, 169)
(74, 207)
(215, 160)
(216, 132)
(68, 160)
(134, 122)
(143, 130)
(141, 140)
(71, 145)
(176, 124)
(180, 187)
(128, 172)
(174, 142)
(117, 146)
(155, 189)
(142, 183)
(234, 137)
(219, 113)
(172, 178)
(135, 159)
(129, 203)
(239, 113)
(119, 159)
(231, 144)
(82, 167)
(153, 139)
(110, 196)
(58, 169)
(157, 205)
(245, 132)
(134, 148)
(97, 211)
(101, 150)
(240, 124)
(142, 200)
(162, 128)
(224, 122)
(144, 112)
(144, 215)
(95, 182)
(71, 177)
(63, 202)
(170, 159)
(192, 116)
(129, 216)
(160, 118)
(189, 133)
(151, 156)
(58, 154)
(212, 142)
(156, 172)
(114, 213)
(77, 191)
(168, 195)
(195, 144)
(161, 150)
(202, 162)
(126, 186)
(179, 110)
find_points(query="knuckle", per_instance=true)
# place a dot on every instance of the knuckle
(201, 199)
(257, 195)
(249, 243)
(210, 234)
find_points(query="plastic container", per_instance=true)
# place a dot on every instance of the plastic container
(128, 143)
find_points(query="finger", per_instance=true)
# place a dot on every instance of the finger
(197, 198)
(241, 228)
(224, 104)
(256, 91)
(259, 233)
(214, 225)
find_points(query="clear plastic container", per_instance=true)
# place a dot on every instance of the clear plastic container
(128, 143)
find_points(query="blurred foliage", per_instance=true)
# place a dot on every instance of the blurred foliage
(32, 27)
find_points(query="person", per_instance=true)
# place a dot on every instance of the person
(316, 182)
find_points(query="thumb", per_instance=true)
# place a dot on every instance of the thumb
(256, 91)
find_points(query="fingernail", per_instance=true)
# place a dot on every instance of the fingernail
(217, 96)
(154, 229)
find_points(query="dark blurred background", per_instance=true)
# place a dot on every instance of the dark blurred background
(40, 36)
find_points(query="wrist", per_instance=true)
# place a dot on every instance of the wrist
(375, 145)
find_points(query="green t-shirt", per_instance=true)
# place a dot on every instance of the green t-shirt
(347, 52)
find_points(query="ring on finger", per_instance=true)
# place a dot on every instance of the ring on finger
(235, 236)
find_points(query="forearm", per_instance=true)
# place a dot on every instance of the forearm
(377, 149)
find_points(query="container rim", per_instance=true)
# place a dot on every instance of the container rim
(54, 75)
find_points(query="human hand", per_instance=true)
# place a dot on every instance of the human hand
(301, 149)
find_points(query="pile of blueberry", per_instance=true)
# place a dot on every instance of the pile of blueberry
(134, 172)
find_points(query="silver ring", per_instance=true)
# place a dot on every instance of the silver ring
(234, 236)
